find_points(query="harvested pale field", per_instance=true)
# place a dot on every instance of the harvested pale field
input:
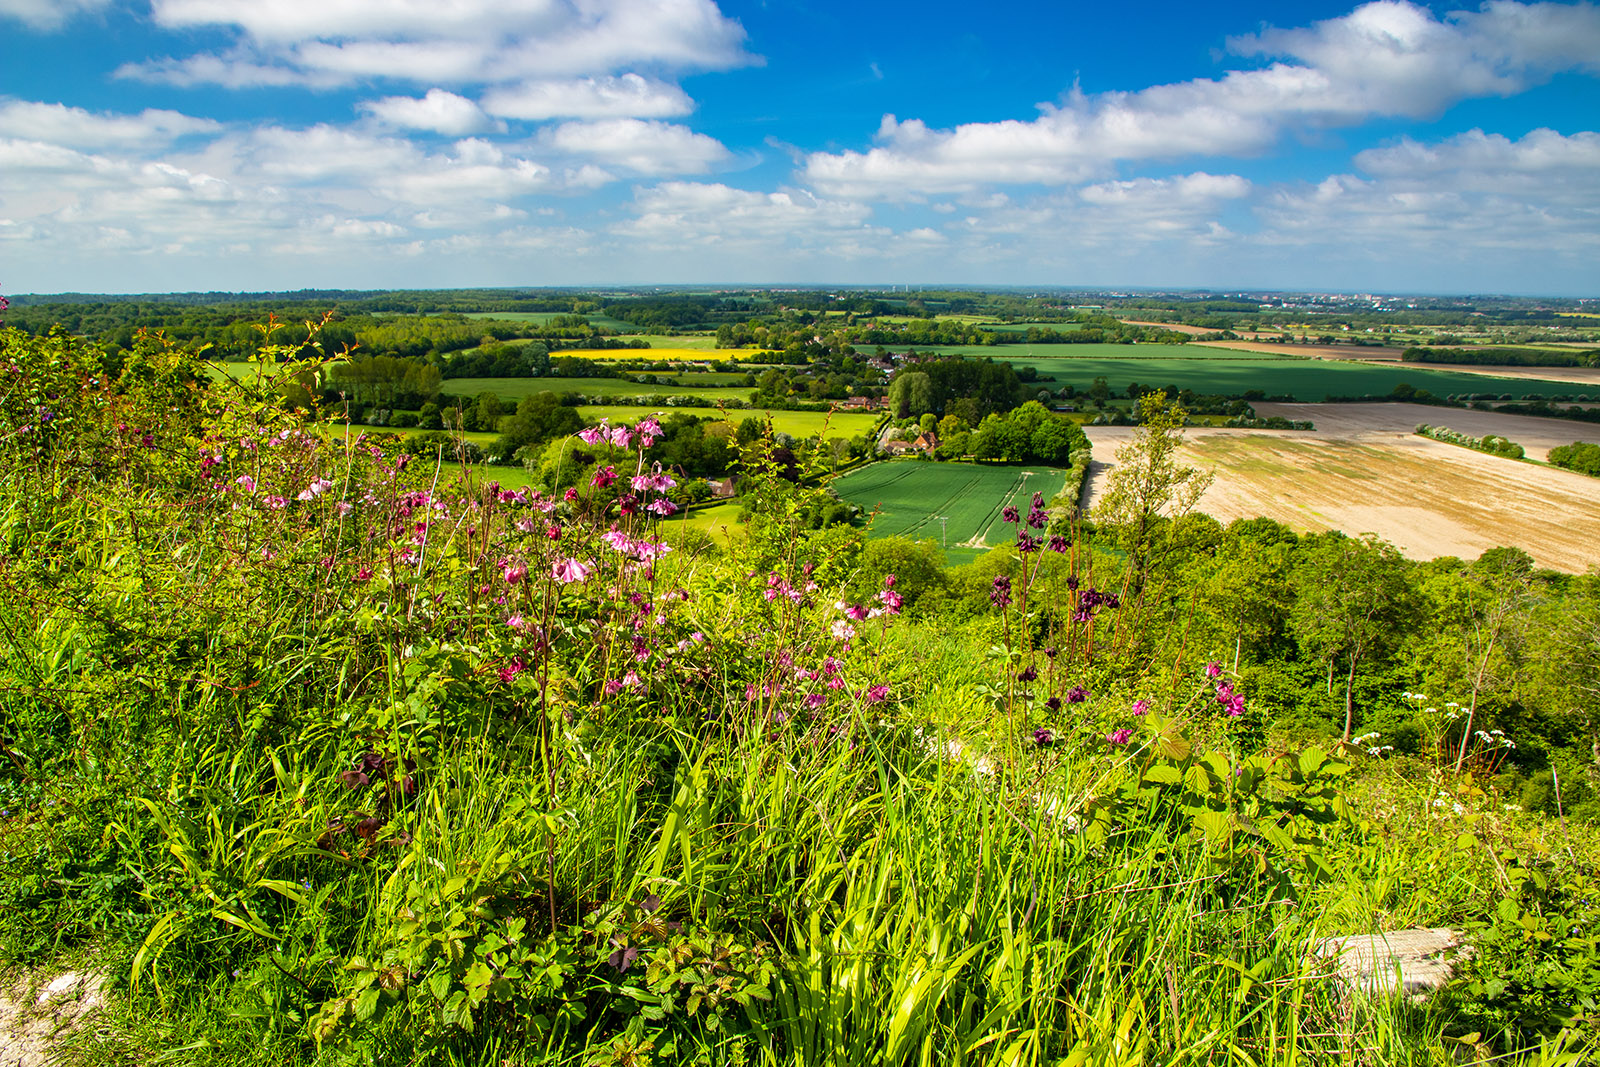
(1429, 498)
(1380, 423)
(1391, 357)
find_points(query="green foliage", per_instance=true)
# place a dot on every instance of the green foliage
(1580, 456)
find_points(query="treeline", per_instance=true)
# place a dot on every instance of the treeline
(1493, 444)
(1030, 433)
(1580, 456)
(970, 389)
(1502, 356)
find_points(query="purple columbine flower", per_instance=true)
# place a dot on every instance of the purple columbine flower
(1058, 543)
(1027, 674)
(1043, 737)
(1000, 593)
(1077, 695)
(1010, 514)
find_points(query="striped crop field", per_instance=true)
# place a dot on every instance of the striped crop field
(911, 496)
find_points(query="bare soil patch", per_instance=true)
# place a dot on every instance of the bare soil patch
(1428, 498)
(35, 1015)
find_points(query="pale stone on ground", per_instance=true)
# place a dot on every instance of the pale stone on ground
(34, 1018)
(1420, 959)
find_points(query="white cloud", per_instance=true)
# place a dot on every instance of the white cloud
(1473, 193)
(626, 96)
(48, 14)
(440, 111)
(462, 42)
(640, 146)
(710, 213)
(1384, 59)
(74, 126)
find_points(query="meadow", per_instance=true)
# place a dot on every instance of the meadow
(322, 762)
(844, 424)
(514, 389)
(907, 497)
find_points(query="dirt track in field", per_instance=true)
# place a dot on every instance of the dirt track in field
(1363, 471)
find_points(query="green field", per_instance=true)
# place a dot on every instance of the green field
(517, 388)
(541, 317)
(795, 423)
(1023, 352)
(910, 495)
(1024, 327)
(1219, 371)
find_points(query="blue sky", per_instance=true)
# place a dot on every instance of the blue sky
(155, 145)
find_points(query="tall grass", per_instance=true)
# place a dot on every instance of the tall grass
(341, 764)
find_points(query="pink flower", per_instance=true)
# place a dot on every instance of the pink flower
(1141, 706)
(593, 435)
(511, 670)
(247, 483)
(842, 631)
(514, 572)
(621, 436)
(816, 700)
(570, 495)
(570, 570)
(363, 573)
(1120, 737)
(661, 506)
(1213, 669)
(604, 477)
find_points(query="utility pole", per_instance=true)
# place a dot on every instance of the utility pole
(943, 541)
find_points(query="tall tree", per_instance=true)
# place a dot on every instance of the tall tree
(1148, 482)
(1353, 604)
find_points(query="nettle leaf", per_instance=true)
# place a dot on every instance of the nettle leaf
(1163, 774)
(367, 1004)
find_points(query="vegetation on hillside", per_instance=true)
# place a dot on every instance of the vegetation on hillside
(338, 757)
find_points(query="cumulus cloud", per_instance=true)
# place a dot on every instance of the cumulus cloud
(640, 146)
(710, 213)
(624, 96)
(48, 14)
(1475, 191)
(465, 42)
(439, 111)
(1387, 58)
(75, 126)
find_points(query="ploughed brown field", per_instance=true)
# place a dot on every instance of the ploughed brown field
(1363, 471)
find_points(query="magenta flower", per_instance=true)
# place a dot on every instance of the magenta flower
(1141, 706)
(1213, 669)
(816, 700)
(603, 477)
(1120, 737)
(1010, 514)
(570, 495)
(593, 435)
(621, 436)
(570, 570)
(877, 694)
